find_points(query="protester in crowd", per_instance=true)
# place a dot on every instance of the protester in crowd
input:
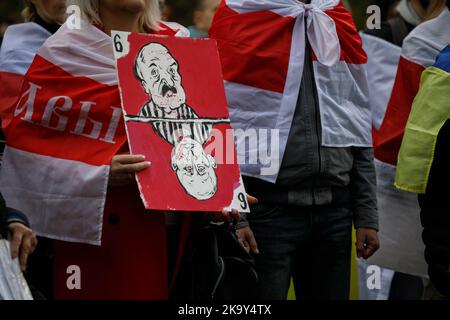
(408, 15)
(388, 8)
(43, 18)
(14, 225)
(20, 43)
(390, 90)
(49, 14)
(96, 213)
(178, 11)
(326, 181)
(423, 166)
(202, 17)
(166, 10)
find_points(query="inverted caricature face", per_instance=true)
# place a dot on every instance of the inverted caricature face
(160, 77)
(195, 169)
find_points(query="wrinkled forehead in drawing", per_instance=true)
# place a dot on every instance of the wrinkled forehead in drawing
(195, 169)
(158, 72)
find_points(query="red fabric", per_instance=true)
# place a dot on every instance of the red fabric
(257, 44)
(132, 260)
(387, 140)
(9, 90)
(54, 81)
(351, 43)
(253, 46)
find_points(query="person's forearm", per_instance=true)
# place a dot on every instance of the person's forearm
(364, 189)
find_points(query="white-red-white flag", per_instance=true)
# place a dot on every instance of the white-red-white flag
(20, 43)
(262, 49)
(67, 125)
(420, 49)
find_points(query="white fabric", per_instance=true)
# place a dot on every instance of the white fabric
(365, 293)
(13, 285)
(65, 185)
(87, 52)
(408, 13)
(401, 245)
(344, 106)
(424, 43)
(94, 56)
(19, 46)
(180, 30)
(383, 59)
(243, 101)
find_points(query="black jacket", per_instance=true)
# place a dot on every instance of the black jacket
(8, 216)
(435, 215)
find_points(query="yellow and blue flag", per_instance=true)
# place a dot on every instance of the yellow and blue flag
(430, 110)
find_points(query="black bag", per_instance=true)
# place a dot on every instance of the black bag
(218, 267)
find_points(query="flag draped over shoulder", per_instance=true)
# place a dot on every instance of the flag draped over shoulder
(19, 46)
(262, 48)
(431, 109)
(383, 59)
(420, 49)
(67, 126)
(398, 210)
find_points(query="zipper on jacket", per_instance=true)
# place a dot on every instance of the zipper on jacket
(317, 123)
(319, 152)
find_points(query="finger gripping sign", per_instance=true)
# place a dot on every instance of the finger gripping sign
(176, 114)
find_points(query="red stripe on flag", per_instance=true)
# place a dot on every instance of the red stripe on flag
(35, 137)
(388, 138)
(254, 47)
(351, 43)
(9, 92)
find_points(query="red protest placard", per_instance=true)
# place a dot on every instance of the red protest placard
(176, 114)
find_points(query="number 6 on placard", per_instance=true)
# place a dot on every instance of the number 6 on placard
(118, 44)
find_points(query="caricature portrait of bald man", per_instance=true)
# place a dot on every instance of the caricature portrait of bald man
(158, 72)
(195, 169)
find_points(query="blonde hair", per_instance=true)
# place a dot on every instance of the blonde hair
(29, 12)
(89, 12)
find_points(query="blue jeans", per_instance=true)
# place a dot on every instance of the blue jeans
(312, 245)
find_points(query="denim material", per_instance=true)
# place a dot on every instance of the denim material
(311, 244)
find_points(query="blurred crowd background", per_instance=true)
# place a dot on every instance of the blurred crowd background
(193, 12)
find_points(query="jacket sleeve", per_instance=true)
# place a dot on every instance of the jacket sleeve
(363, 188)
(13, 215)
